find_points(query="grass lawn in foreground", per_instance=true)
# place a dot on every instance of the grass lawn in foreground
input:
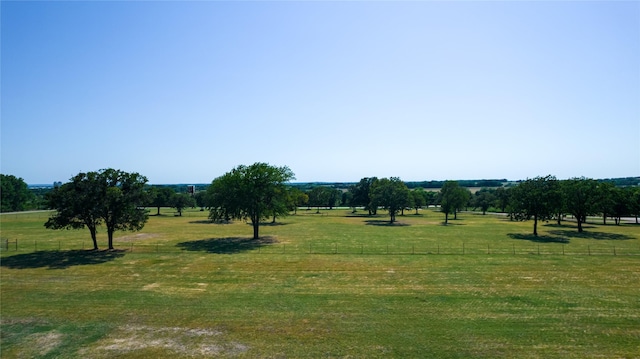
(329, 285)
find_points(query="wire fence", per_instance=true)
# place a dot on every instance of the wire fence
(261, 248)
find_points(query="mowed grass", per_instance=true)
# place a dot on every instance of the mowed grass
(334, 284)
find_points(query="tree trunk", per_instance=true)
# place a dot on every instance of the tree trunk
(255, 221)
(93, 238)
(455, 214)
(535, 225)
(110, 236)
(157, 214)
(446, 217)
(604, 218)
(579, 218)
(393, 216)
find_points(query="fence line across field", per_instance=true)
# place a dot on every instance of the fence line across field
(335, 248)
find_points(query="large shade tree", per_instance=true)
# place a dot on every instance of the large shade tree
(249, 192)
(108, 196)
(77, 204)
(391, 194)
(536, 198)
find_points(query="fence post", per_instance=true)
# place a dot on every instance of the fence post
(514, 249)
(488, 250)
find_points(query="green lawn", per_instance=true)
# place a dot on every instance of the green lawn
(333, 284)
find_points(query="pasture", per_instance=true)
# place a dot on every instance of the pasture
(334, 284)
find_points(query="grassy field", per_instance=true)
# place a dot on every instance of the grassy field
(334, 284)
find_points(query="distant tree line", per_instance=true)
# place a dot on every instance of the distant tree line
(118, 200)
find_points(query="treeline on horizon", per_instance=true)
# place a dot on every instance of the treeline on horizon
(33, 197)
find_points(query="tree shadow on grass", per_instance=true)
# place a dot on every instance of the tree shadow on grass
(385, 223)
(227, 245)
(592, 235)
(538, 239)
(60, 259)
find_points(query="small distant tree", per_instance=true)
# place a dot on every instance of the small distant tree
(201, 199)
(180, 201)
(502, 195)
(452, 198)
(484, 199)
(322, 196)
(160, 197)
(535, 198)
(296, 198)
(605, 199)
(419, 198)
(248, 192)
(391, 194)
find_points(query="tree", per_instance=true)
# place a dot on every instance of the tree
(634, 202)
(361, 194)
(122, 195)
(201, 199)
(419, 198)
(604, 200)
(503, 198)
(161, 197)
(390, 194)
(580, 198)
(297, 198)
(484, 199)
(535, 198)
(77, 204)
(322, 196)
(107, 196)
(14, 194)
(180, 201)
(248, 192)
(452, 198)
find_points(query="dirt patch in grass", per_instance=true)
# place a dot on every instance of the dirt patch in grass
(187, 342)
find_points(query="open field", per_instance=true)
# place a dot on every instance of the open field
(327, 285)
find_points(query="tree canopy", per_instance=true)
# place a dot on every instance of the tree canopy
(536, 198)
(15, 194)
(391, 194)
(249, 192)
(107, 196)
(452, 198)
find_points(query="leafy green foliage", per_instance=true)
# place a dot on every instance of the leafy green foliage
(452, 198)
(536, 198)
(390, 194)
(15, 195)
(250, 192)
(108, 196)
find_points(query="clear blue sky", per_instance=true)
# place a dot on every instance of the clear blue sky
(182, 92)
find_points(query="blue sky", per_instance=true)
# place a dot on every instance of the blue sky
(182, 92)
